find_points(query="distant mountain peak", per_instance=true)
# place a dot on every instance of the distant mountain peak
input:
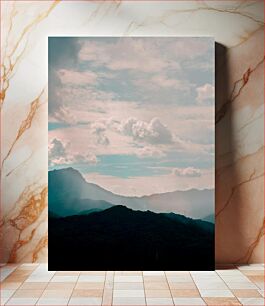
(120, 208)
(70, 192)
(69, 170)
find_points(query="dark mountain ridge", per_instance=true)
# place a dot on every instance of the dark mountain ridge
(120, 238)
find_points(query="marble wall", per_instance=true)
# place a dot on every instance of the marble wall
(238, 30)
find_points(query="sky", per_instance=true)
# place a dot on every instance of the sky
(134, 115)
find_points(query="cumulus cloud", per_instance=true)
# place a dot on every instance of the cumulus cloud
(205, 94)
(187, 172)
(150, 151)
(164, 81)
(162, 88)
(153, 132)
(76, 77)
(59, 154)
(98, 129)
(83, 159)
(136, 96)
(58, 102)
(146, 55)
(65, 101)
(56, 149)
(125, 54)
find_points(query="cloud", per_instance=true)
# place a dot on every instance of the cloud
(150, 151)
(83, 159)
(153, 132)
(72, 77)
(62, 55)
(151, 68)
(162, 83)
(197, 131)
(59, 154)
(187, 172)
(66, 101)
(135, 103)
(164, 89)
(98, 129)
(205, 94)
(141, 54)
(148, 185)
(124, 54)
(56, 149)
(166, 82)
(58, 101)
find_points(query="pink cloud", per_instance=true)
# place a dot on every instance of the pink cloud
(150, 151)
(153, 132)
(187, 172)
(132, 54)
(59, 154)
(76, 77)
(205, 93)
(162, 81)
(146, 55)
(99, 129)
(148, 185)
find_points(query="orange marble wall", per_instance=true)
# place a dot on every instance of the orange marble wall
(238, 28)
(240, 152)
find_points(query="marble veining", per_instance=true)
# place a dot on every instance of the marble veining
(238, 28)
(238, 86)
(203, 6)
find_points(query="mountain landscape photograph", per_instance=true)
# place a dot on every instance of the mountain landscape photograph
(131, 153)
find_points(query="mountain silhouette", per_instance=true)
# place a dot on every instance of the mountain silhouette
(70, 193)
(119, 238)
(209, 218)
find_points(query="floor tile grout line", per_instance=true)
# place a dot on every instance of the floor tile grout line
(9, 297)
(198, 287)
(15, 290)
(235, 289)
(114, 274)
(142, 273)
(43, 289)
(219, 276)
(12, 294)
(41, 293)
(73, 288)
(102, 296)
(169, 288)
(112, 289)
(195, 284)
(13, 271)
(235, 268)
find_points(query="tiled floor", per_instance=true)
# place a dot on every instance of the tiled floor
(33, 284)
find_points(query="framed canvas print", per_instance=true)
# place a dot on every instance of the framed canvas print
(131, 153)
